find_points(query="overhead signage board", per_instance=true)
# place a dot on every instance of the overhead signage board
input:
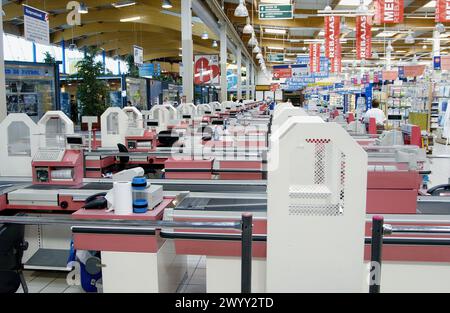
(437, 63)
(138, 53)
(276, 11)
(282, 71)
(324, 67)
(149, 70)
(275, 57)
(36, 27)
(206, 69)
(445, 63)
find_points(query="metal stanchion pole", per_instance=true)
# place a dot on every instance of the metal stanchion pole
(246, 253)
(376, 253)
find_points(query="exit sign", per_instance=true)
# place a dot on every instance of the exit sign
(275, 11)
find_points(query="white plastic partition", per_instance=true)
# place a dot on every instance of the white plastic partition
(114, 122)
(216, 107)
(162, 115)
(19, 139)
(135, 117)
(187, 109)
(53, 127)
(317, 182)
(280, 106)
(173, 113)
(281, 115)
(228, 105)
(202, 109)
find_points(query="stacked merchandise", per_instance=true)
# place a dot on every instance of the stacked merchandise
(439, 111)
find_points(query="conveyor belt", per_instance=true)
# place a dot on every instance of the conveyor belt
(223, 204)
(4, 185)
(49, 187)
(186, 186)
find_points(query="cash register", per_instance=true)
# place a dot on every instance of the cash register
(59, 166)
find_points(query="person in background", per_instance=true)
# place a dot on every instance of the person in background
(375, 112)
(129, 104)
(271, 104)
(74, 109)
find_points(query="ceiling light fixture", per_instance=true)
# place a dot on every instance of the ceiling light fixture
(389, 47)
(259, 56)
(253, 42)
(205, 35)
(275, 31)
(256, 49)
(130, 19)
(275, 48)
(122, 4)
(166, 4)
(241, 10)
(214, 44)
(440, 27)
(83, 9)
(362, 9)
(410, 38)
(248, 28)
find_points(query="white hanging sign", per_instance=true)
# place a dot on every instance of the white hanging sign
(138, 55)
(36, 27)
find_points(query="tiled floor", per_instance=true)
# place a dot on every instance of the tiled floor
(55, 282)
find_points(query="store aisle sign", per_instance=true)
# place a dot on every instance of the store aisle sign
(282, 71)
(363, 37)
(411, 71)
(390, 75)
(442, 11)
(445, 62)
(36, 26)
(324, 66)
(274, 87)
(275, 57)
(149, 70)
(437, 63)
(275, 11)
(206, 69)
(138, 53)
(314, 57)
(389, 11)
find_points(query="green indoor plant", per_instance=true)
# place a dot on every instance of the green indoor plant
(91, 91)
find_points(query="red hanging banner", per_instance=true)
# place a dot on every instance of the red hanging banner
(336, 62)
(389, 11)
(314, 58)
(442, 11)
(363, 37)
(332, 34)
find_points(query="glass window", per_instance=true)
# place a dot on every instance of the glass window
(112, 123)
(19, 143)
